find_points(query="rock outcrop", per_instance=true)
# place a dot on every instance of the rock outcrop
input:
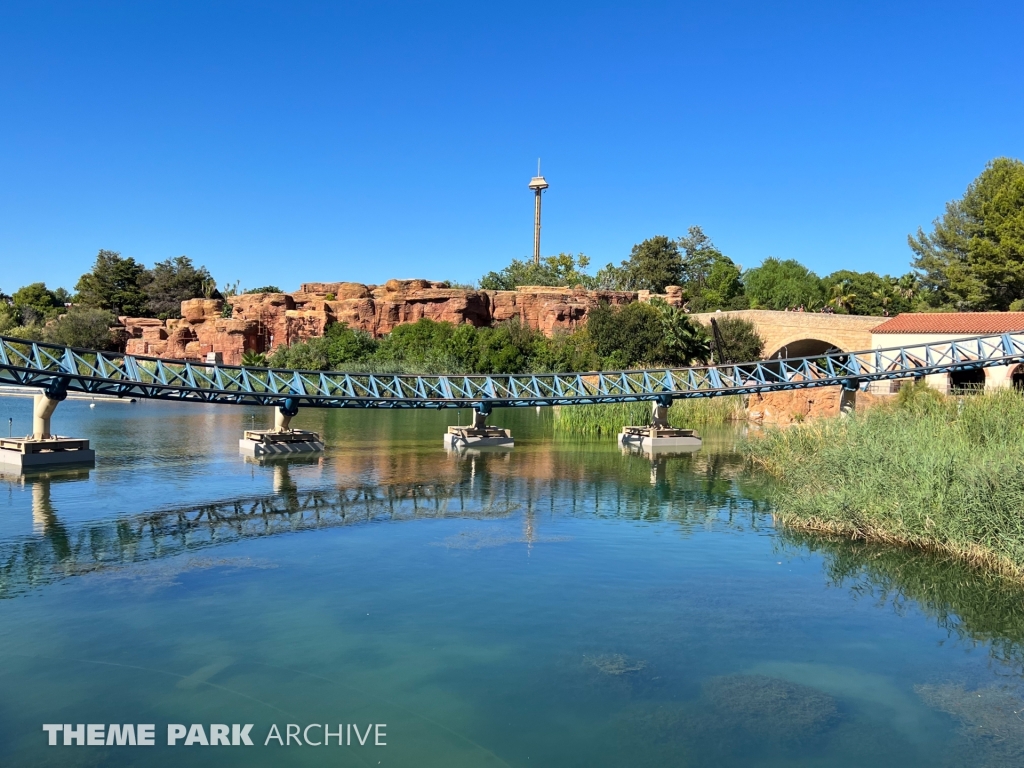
(798, 405)
(262, 322)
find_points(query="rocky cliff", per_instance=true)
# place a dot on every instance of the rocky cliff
(797, 405)
(262, 322)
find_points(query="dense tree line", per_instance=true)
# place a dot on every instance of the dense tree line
(115, 286)
(972, 260)
(710, 280)
(633, 336)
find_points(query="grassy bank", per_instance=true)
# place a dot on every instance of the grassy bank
(609, 419)
(936, 473)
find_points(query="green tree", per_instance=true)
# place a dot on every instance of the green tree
(36, 296)
(652, 265)
(625, 336)
(723, 288)
(683, 342)
(563, 269)
(35, 303)
(699, 256)
(83, 327)
(116, 284)
(865, 293)
(9, 318)
(339, 346)
(908, 287)
(264, 289)
(710, 279)
(174, 281)
(883, 298)
(740, 340)
(508, 348)
(841, 296)
(565, 352)
(974, 257)
(415, 343)
(779, 285)
(639, 334)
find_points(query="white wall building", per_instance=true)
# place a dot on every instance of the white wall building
(916, 328)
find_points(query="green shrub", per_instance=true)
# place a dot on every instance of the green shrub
(641, 334)
(341, 345)
(83, 327)
(254, 359)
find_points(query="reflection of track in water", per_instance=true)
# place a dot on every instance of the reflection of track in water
(59, 550)
(690, 495)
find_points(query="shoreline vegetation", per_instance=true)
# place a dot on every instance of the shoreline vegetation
(926, 472)
(692, 413)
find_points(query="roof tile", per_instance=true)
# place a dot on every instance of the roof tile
(953, 322)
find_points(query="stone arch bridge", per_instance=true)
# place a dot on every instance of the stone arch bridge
(799, 334)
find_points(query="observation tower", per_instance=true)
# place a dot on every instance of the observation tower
(538, 184)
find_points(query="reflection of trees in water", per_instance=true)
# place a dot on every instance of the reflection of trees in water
(973, 606)
(691, 491)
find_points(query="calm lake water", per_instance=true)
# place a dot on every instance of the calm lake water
(561, 604)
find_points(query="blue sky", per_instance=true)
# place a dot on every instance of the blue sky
(289, 142)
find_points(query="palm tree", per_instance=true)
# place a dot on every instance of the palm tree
(907, 286)
(884, 298)
(253, 359)
(683, 341)
(842, 298)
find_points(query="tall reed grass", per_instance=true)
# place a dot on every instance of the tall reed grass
(942, 474)
(611, 418)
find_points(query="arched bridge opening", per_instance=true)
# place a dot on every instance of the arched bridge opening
(1017, 378)
(806, 347)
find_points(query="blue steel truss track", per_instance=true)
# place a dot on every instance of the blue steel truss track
(61, 368)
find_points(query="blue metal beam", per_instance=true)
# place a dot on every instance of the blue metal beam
(36, 364)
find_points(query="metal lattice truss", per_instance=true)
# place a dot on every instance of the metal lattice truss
(59, 368)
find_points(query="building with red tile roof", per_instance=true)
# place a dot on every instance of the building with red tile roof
(913, 328)
(954, 323)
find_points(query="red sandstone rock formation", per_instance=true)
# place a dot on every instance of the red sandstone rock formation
(263, 322)
(793, 406)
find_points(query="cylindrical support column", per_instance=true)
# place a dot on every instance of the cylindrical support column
(283, 415)
(480, 414)
(282, 420)
(847, 401)
(659, 413)
(536, 227)
(42, 409)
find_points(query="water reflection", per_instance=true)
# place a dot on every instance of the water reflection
(690, 490)
(369, 486)
(549, 603)
(974, 607)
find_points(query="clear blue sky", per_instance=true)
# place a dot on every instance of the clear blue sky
(285, 142)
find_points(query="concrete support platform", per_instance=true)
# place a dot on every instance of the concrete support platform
(660, 439)
(459, 438)
(260, 442)
(26, 453)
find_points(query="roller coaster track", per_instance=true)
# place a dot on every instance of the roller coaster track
(60, 369)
